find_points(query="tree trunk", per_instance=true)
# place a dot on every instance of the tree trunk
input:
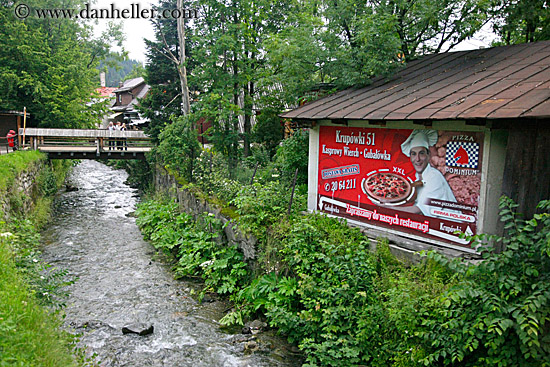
(182, 70)
(248, 104)
(235, 150)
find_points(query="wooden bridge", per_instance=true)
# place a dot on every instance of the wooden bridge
(86, 143)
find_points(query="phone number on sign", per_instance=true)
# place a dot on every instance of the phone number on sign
(340, 185)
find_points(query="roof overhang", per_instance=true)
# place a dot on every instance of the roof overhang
(507, 82)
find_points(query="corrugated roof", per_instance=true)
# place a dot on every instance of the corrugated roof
(130, 84)
(499, 82)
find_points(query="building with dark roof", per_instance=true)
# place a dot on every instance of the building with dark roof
(490, 109)
(13, 120)
(127, 98)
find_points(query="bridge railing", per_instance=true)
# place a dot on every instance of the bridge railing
(5, 146)
(84, 140)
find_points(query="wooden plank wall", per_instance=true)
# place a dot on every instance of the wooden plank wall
(527, 169)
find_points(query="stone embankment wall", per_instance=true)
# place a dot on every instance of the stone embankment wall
(21, 191)
(190, 204)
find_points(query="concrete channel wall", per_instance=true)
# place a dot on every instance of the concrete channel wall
(405, 249)
(197, 207)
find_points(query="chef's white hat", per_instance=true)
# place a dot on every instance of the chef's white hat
(419, 138)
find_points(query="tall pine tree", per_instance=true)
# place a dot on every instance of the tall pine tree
(164, 99)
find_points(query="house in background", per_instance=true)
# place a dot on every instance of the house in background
(126, 99)
(103, 90)
(482, 120)
(104, 93)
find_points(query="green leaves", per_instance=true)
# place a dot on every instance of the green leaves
(499, 311)
(292, 155)
(522, 21)
(193, 244)
(49, 67)
(179, 146)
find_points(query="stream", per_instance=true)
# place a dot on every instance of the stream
(119, 281)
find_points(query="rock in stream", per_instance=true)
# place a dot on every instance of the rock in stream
(120, 284)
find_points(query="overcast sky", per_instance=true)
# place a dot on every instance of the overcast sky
(138, 29)
(134, 29)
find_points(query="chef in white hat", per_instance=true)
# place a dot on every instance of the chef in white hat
(434, 185)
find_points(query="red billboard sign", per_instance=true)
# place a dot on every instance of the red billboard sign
(421, 182)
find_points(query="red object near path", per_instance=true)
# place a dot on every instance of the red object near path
(11, 138)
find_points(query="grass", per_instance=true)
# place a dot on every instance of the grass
(29, 334)
(11, 165)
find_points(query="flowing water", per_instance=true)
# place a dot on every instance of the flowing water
(120, 282)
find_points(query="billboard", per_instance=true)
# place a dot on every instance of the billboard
(421, 182)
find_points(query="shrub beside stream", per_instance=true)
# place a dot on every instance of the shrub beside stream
(320, 284)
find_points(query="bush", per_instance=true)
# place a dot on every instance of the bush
(268, 130)
(194, 246)
(292, 155)
(179, 146)
(211, 175)
(498, 314)
(260, 206)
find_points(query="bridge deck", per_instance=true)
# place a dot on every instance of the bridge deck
(83, 133)
(84, 149)
(87, 143)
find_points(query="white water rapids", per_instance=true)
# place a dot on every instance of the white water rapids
(119, 281)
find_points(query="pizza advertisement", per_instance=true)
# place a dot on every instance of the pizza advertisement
(422, 182)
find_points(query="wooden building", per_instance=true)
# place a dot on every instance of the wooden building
(12, 120)
(480, 117)
(127, 98)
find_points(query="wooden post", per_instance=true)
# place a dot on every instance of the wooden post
(24, 123)
(254, 174)
(293, 187)
(18, 128)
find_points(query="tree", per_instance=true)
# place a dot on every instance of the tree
(348, 42)
(181, 61)
(163, 74)
(232, 63)
(219, 77)
(49, 66)
(176, 54)
(522, 21)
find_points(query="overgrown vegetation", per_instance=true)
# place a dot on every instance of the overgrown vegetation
(30, 334)
(194, 246)
(320, 284)
(498, 312)
(30, 291)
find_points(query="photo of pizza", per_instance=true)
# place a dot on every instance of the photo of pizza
(387, 187)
